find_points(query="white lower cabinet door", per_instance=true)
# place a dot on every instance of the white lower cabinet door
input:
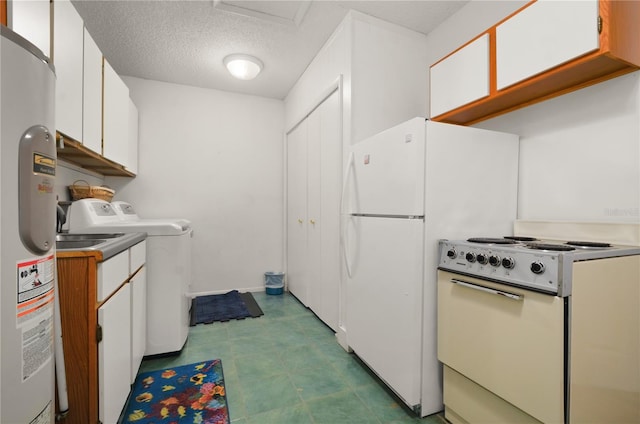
(138, 320)
(114, 355)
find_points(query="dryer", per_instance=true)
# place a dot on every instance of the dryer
(168, 265)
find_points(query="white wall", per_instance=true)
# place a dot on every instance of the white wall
(327, 66)
(389, 74)
(67, 174)
(384, 70)
(580, 153)
(216, 159)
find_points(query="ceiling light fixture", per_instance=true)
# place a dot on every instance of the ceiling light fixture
(243, 66)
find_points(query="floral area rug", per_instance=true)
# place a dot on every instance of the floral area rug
(191, 394)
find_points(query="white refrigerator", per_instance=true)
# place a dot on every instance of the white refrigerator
(406, 188)
(27, 232)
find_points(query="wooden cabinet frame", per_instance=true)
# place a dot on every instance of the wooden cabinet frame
(78, 294)
(619, 53)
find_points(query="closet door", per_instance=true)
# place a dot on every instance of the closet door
(297, 273)
(324, 240)
(314, 218)
(313, 189)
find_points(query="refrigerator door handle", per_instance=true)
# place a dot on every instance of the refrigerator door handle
(344, 235)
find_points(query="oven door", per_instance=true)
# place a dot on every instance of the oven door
(508, 340)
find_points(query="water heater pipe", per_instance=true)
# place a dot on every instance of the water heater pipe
(61, 375)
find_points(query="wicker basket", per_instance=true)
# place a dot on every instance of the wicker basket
(83, 191)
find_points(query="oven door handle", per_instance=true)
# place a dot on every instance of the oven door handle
(488, 290)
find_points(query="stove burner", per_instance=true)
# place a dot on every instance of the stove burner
(520, 238)
(490, 240)
(588, 244)
(550, 246)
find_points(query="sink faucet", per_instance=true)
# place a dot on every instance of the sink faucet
(61, 218)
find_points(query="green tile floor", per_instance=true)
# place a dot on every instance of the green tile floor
(286, 367)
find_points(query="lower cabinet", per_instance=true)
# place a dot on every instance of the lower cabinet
(103, 310)
(114, 354)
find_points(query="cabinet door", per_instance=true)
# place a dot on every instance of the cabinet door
(297, 274)
(31, 19)
(115, 134)
(138, 320)
(67, 57)
(92, 95)
(114, 355)
(133, 138)
(460, 78)
(542, 36)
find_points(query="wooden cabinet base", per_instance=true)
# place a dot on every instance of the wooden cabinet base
(77, 285)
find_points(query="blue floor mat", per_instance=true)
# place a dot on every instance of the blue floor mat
(222, 307)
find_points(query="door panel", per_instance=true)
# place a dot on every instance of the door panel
(542, 36)
(297, 212)
(138, 285)
(384, 299)
(114, 354)
(314, 221)
(330, 169)
(461, 78)
(500, 342)
(389, 172)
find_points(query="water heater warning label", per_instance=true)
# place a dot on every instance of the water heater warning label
(34, 312)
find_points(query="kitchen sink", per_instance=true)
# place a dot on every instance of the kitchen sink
(79, 237)
(77, 244)
(108, 244)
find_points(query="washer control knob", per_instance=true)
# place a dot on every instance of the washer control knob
(508, 263)
(451, 253)
(482, 258)
(537, 267)
(471, 257)
(494, 260)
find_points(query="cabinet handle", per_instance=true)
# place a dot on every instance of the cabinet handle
(312, 221)
(299, 221)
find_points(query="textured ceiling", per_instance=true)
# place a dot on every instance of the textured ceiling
(184, 42)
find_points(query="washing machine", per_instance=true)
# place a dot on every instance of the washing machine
(168, 265)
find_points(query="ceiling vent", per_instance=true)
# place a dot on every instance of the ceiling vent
(283, 12)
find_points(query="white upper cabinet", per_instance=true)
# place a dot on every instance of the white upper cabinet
(32, 20)
(461, 77)
(115, 109)
(133, 138)
(68, 30)
(92, 95)
(544, 35)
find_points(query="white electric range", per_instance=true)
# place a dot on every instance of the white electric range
(540, 329)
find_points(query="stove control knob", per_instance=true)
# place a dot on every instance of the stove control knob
(471, 257)
(537, 267)
(508, 263)
(494, 260)
(451, 253)
(482, 258)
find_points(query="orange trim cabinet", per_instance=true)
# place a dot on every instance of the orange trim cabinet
(534, 55)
